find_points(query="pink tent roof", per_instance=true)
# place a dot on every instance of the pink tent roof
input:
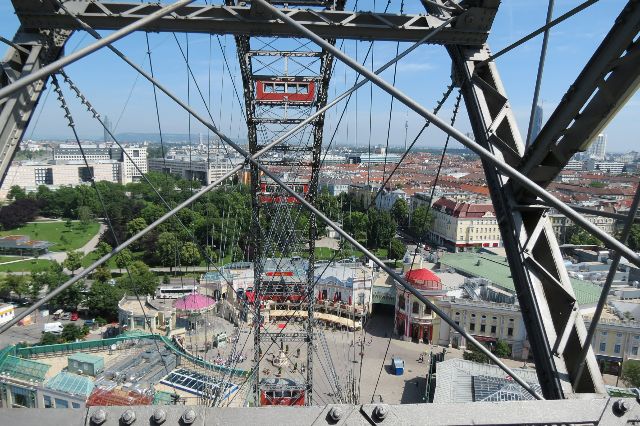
(194, 302)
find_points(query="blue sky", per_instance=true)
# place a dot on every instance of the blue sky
(424, 74)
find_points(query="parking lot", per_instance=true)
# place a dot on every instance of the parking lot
(33, 332)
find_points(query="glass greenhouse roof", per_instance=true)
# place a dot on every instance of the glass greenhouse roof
(24, 369)
(70, 383)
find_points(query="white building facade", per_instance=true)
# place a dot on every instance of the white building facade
(460, 226)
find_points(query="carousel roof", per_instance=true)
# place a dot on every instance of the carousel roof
(194, 302)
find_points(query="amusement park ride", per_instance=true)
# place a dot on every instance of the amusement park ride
(292, 97)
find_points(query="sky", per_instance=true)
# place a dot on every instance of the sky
(117, 92)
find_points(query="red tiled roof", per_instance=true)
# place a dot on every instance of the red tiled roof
(456, 209)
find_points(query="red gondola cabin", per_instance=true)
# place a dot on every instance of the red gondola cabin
(285, 91)
(271, 193)
(281, 391)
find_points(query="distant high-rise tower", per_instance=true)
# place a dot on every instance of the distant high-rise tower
(598, 148)
(537, 122)
(109, 126)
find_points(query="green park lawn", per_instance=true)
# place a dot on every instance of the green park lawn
(26, 266)
(64, 237)
(4, 259)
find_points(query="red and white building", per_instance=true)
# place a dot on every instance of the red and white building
(460, 226)
(413, 320)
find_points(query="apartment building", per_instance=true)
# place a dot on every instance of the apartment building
(560, 223)
(197, 168)
(132, 157)
(614, 342)
(486, 321)
(612, 167)
(460, 226)
(29, 175)
(387, 199)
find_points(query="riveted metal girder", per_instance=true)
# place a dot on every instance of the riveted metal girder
(37, 49)
(591, 411)
(554, 325)
(243, 21)
(606, 83)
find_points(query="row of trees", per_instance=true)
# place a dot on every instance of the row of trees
(219, 221)
(101, 297)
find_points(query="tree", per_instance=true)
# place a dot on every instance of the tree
(16, 193)
(634, 238)
(166, 249)
(396, 249)
(103, 299)
(474, 354)
(18, 213)
(17, 284)
(381, 229)
(631, 373)
(400, 212)
(35, 286)
(151, 212)
(101, 274)
(84, 215)
(141, 281)
(73, 262)
(579, 236)
(211, 256)
(123, 258)
(51, 278)
(421, 222)
(190, 255)
(135, 226)
(71, 333)
(50, 339)
(502, 349)
(103, 248)
(356, 224)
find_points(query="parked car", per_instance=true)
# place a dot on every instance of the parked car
(65, 316)
(53, 328)
(74, 316)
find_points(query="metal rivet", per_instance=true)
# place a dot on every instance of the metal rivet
(99, 416)
(380, 412)
(128, 417)
(620, 406)
(188, 417)
(159, 416)
(335, 413)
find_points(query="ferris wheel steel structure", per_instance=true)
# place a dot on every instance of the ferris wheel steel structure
(516, 176)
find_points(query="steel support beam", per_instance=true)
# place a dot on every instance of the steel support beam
(589, 411)
(31, 52)
(245, 21)
(606, 83)
(542, 284)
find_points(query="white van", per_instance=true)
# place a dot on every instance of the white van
(53, 327)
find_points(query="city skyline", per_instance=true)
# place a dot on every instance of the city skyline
(570, 45)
